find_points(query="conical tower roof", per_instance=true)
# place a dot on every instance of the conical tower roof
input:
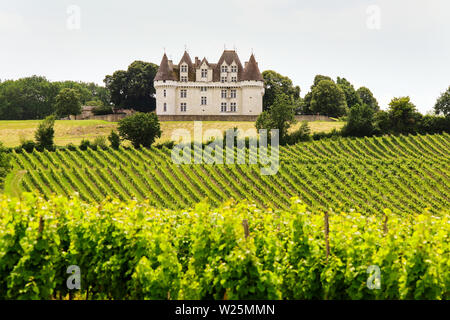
(165, 72)
(251, 70)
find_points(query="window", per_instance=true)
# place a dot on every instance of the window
(204, 73)
(224, 69)
(233, 93)
(233, 68)
(233, 79)
(223, 107)
(233, 107)
(164, 93)
(183, 107)
(165, 107)
(203, 100)
(224, 94)
(203, 89)
(183, 93)
(223, 79)
(184, 68)
(184, 79)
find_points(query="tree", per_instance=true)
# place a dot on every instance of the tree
(360, 121)
(133, 89)
(305, 106)
(45, 133)
(68, 103)
(327, 98)
(351, 97)
(367, 98)
(403, 115)
(280, 115)
(443, 103)
(275, 84)
(140, 128)
(27, 98)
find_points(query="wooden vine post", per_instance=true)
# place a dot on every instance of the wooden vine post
(385, 226)
(246, 230)
(327, 232)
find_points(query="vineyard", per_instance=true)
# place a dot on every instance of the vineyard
(130, 250)
(404, 173)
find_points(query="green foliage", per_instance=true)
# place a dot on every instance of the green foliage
(305, 105)
(45, 133)
(140, 129)
(303, 133)
(367, 98)
(133, 89)
(360, 121)
(442, 105)
(276, 84)
(328, 99)
(351, 96)
(68, 102)
(403, 116)
(27, 145)
(99, 142)
(94, 103)
(102, 110)
(35, 97)
(85, 144)
(5, 164)
(129, 250)
(114, 139)
(434, 124)
(280, 115)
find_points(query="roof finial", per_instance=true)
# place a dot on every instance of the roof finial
(252, 51)
(234, 47)
(185, 47)
(164, 50)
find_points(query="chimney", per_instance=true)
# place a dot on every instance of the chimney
(246, 63)
(170, 64)
(197, 62)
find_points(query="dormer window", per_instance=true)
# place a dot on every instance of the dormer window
(204, 73)
(233, 68)
(224, 69)
(184, 68)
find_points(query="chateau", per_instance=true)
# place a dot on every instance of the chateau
(211, 89)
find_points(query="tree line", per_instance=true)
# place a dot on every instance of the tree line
(339, 99)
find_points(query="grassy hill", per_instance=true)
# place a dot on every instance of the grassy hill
(406, 174)
(73, 131)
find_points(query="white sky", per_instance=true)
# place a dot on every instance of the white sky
(409, 54)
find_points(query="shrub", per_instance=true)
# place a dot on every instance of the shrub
(114, 139)
(102, 110)
(99, 142)
(71, 147)
(27, 145)
(303, 133)
(334, 134)
(360, 121)
(84, 144)
(434, 124)
(45, 133)
(140, 128)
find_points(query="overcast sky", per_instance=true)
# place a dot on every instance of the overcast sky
(393, 47)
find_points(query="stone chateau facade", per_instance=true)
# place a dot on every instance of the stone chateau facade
(210, 89)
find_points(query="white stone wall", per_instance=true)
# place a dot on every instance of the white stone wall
(248, 97)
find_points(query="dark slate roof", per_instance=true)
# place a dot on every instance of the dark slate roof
(251, 71)
(228, 56)
(164, 70)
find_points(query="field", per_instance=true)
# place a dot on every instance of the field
(406, 174)
(73, 131)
